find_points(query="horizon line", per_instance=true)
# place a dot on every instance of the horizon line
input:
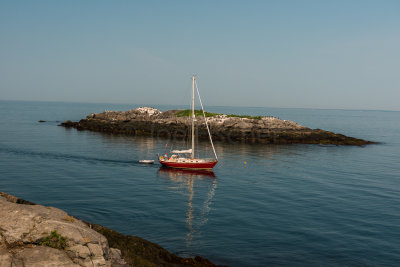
(149, 105)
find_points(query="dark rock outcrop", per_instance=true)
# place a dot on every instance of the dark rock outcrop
(137, 251)
(265, 130)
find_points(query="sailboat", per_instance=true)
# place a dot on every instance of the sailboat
(185, 159)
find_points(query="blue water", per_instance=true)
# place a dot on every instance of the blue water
(291, 205)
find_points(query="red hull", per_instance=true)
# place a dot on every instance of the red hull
(193, 166)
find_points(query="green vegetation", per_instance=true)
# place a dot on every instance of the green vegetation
(188, 112)
(55, 240)
(245, 116)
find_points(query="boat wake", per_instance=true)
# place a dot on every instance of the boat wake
(69, 157)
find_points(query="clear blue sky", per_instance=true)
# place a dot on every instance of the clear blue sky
(312, 54)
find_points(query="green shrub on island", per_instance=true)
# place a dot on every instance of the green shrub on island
(55, 240)
(245, 116)
(188, 112)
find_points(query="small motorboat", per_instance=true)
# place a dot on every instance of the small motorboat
(146, 161)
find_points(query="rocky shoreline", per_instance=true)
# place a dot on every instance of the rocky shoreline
(228, 128)
(35, 235)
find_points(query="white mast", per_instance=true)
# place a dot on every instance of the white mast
(192, 156)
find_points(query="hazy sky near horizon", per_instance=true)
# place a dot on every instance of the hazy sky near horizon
(341, 54)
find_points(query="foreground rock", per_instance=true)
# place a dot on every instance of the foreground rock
(34, 235)
(266, 130)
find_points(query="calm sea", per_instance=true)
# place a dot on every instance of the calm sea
(265, 205)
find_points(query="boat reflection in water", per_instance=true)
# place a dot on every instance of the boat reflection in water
(184, 173)
(187, 180)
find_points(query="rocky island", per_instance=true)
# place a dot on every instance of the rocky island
(34, 235)
(228, 128)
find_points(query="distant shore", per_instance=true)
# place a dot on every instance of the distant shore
(34, 235)
(227, 128)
